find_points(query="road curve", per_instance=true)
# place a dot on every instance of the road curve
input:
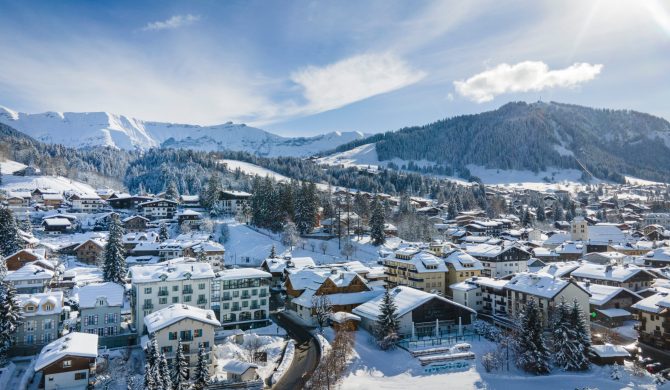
(307, 355)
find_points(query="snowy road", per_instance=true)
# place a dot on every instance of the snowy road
(307, 355)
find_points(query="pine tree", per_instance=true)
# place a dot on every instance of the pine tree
(201, 370)
(10, 318)
(541, 216)
(171, 192)
(149, 380)
(377, 223)
(273, 252)
(9, 233)
(163, 233)
(567, 350)
(532, 353)
(114, 260)
(180, 369)
(164, 371)
(387, 322)
(583, 337)
(212, 191)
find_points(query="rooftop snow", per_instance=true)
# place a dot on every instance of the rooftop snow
(175, 313)
(89, 294)
(73, 344)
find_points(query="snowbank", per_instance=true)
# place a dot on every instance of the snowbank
(287, 360)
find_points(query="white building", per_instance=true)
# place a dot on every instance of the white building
(193, 326)
(87, 203)
(69, 362)
(241, 297)
(157, 286)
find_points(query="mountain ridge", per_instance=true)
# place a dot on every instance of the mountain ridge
(89, 129)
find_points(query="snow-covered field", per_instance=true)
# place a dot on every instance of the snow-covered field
(7, 167)
(253, 169)
(58, 183)
(255, 245)
(371, 368)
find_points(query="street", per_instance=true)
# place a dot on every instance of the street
(307, 355)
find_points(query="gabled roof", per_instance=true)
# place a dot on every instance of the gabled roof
(601, 294)
(238, 367)
(73, 344)
(88, 295)
(406, 299)
(608, 272)
(55, 298)
(175, 313)
(171, 270)
(537, 284)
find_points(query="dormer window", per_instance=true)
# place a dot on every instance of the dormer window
(48, 307)
(101, 301)
(30, 308)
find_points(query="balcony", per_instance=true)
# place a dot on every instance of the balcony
(235, 308)
(501, 302)
(227, 298)
(487, 299)
(246, 296)
(254, 307)
(415, 279)
(163, 293)
(187, 291)
(202, 301)
(148, 306)
(263, 294)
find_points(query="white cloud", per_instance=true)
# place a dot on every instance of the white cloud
(352, 79)
(523, 77)
(174, 22)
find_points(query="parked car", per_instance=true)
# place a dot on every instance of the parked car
(653, 368)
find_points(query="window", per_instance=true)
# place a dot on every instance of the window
(175, 288)
(201, 286)
(187, 298)
(172, 336)
(67, 363)
(175, 299)
(236, 294)
(197, 333)
(147, 290)
(166, 349)
(162, 301)
(79, 376)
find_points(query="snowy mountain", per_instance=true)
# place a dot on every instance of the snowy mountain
(105, 129)
(545, 139)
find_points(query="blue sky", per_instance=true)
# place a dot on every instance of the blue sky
(305, 67)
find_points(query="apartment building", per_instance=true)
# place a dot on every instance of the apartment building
(87, 203)
(241, 297)
(156, 286)
(500, 260)
(100, 307)
(653, 312)
(415, 268)
(43, 316)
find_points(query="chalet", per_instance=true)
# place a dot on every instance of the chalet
(56, 225)
(415, 310)
(88, 203)
(276, 267)
(18, 200)
(135, 223)
(90, 250)
(69, 362)
(628, 276)
(22, 257)
(233, 202)
(126, 201)
(608, 354)
(28, 171)
(461, 266)
(158, 209)
(610, 304)
(189, 201)
(662, 219)
(52, 201)
(31, 278)
(344, 290)
(191, 218)
(500, 260)
(131, 240)
(657, 258)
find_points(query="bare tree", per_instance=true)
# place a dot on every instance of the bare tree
(333, 365)
(323, 245)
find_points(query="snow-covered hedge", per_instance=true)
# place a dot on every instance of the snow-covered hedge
(286, 362)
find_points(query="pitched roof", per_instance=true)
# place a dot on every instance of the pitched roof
(175, 313)
(537, 284)
(171, 270)
(73, 344)
(89, 294)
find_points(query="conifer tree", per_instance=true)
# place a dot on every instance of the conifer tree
(149, 380)
(164, 372)
(566, 346)
(163, 233)
(180, 369)
(273, 252)
(201, 370)
(171, 191)
(583, 337)
(114, 260)
(377, 223)
(10, 318)
(387, 322)
(9, 233)
(532, 353)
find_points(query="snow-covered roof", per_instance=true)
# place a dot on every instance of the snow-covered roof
(654, 303)
(89, 294)
(242, 273)
(570, 247)
(607, 272)
(604, 234)
(560, 268)
(313, 278)
(462, 261)
(405, 298)
(73, 344)
(238, 367)
(609, 350)
(339, 299)
(487, 250)
(343, 316)
(614, 313)
(170, 270)
(659, 254)
(175, 313)
(30, 271)
(423, 261)
(601, 294)
(39, 300)
(537, 284)
(100, 242)
(56, 222)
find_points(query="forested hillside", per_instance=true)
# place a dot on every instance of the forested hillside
(536, 137)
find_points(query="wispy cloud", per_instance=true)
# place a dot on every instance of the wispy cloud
(523, 77)
(174, 22)
(353, 79)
